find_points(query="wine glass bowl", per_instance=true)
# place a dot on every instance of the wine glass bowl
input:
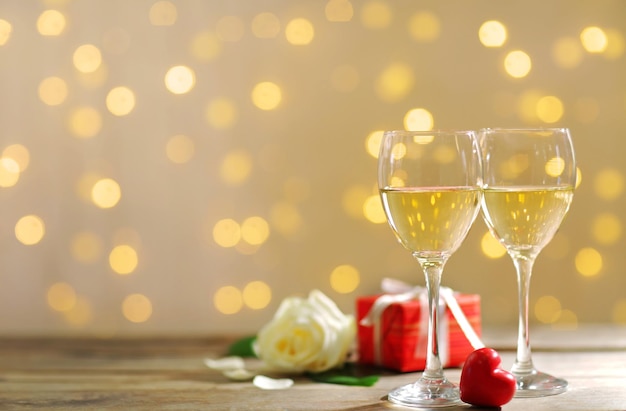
(430, 186)
(529, 180)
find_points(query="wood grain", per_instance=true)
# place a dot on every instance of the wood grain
(169, 374)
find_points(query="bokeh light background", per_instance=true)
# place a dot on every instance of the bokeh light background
(183, 166)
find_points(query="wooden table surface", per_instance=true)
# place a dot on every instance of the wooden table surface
(170, 374)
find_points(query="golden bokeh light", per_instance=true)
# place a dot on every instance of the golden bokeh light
(373, 210)
(547, 309)
(87, 58)
(9, 172)
(608, 184)
(424, 26)
(255, 230)
(398, 181)
(514, 166)
(344, 278)
(61, 297)
(163, 13)
(266, 95)
(421, 139)
(85, 122)
(51, 23)
(615, 44)
(567, 52)
(123, 259)
(527, 105)
(205, 46)
(353, 199)
(517, 64)
(5, 31)
(555, 166)
(226, 233)
(120, 101)
(86, 247)
(138, 137)
(606, 228)
(85, 184)
(588, 262)
(53, 91)
(492, 33)
(345, 78)
(394, 82)
(418, 119)
(376, 14)
(339, 10)
(593, 39)
(180, 79)
(106, 193)
(398, 151)
(265, 25)
(372, 143)
(221, 113)
(137, 308)
(444, 154)
(567, 320)
(179, 149)
(228, 300)
(95, 80)
(230, 28)
(256, 295)
(236, 167)
(618, 314)
(81, 314)
(299, 32)
(491, 247)
(549, 109)
(19, 154)
(30, 229)
(286, 219)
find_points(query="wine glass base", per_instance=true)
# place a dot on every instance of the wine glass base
(426, 393)
(538, 384)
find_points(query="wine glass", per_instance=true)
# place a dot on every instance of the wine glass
(430, 186)
(530, 176)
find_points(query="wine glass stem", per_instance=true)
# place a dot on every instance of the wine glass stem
(524, 266)
(432, 270)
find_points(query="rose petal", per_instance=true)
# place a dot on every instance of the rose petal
(226, 363)
(239, 374)
(267, 383)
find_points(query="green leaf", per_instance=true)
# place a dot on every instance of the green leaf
(243, 347)
(367, 381)
(347, 375)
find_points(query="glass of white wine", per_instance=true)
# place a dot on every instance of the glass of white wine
(430, 185)
(530, 175)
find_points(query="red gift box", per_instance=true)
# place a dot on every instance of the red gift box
(402, 330)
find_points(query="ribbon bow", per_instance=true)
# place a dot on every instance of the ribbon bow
(397, 291)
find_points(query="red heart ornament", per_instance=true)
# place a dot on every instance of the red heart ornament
(483, 383)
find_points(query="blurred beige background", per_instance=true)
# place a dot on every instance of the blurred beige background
(182, 166)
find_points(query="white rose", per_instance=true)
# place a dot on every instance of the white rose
(306, 335)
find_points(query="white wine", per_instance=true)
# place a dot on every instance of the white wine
(431, 221)
(525, 218)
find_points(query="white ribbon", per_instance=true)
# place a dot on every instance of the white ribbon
(397, 291)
